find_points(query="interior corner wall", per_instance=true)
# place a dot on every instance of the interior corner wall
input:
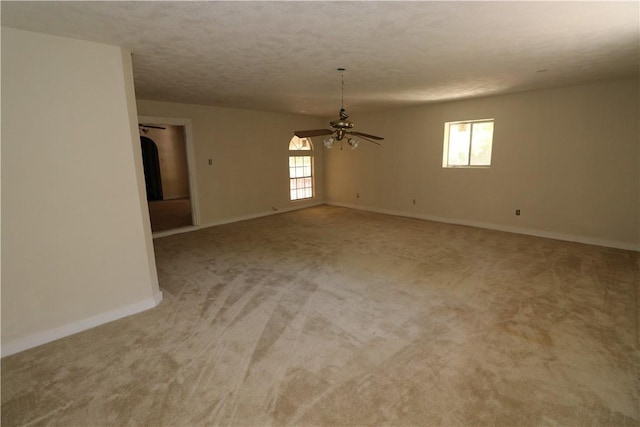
(249, 171)
(568, 158)
(75, 244)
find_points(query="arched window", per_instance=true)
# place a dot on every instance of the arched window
(300, 168)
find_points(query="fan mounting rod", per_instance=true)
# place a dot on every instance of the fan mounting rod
(342, 124)
(342, 70)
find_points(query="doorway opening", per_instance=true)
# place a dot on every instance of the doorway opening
(166, 157)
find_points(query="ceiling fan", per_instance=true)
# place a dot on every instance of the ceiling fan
(145, 128)
(340, 128)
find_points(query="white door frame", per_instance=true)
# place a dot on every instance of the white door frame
(191, 157)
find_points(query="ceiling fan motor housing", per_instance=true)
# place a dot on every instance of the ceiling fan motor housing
(341, 124)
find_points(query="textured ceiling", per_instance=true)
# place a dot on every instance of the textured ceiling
(282, 56)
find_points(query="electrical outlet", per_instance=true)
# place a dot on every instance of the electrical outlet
(414, 201)
(210, 161)
(357, 195)
(518, 212)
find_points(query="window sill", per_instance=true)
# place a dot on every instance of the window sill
(466, 167)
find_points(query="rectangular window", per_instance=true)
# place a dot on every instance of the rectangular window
(467, 144)
(300, 177)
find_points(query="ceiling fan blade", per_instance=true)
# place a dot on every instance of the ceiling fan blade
(365, 135)
(150, 126)
(310, 133)
(359, 135)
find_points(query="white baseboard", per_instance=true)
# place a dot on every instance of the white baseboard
(173, 231)
(261, 214)
(234, 219)
(498, 227)
(44, 337)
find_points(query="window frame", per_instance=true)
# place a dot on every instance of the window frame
(445, 146)
(301, 153)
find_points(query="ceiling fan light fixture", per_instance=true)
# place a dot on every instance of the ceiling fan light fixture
(353, 143)
(328, 142)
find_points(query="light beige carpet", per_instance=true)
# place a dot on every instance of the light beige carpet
(331, 316)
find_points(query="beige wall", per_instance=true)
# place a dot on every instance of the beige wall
(249, 174)
(76, 240)
(173, 160)
(568, 158)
